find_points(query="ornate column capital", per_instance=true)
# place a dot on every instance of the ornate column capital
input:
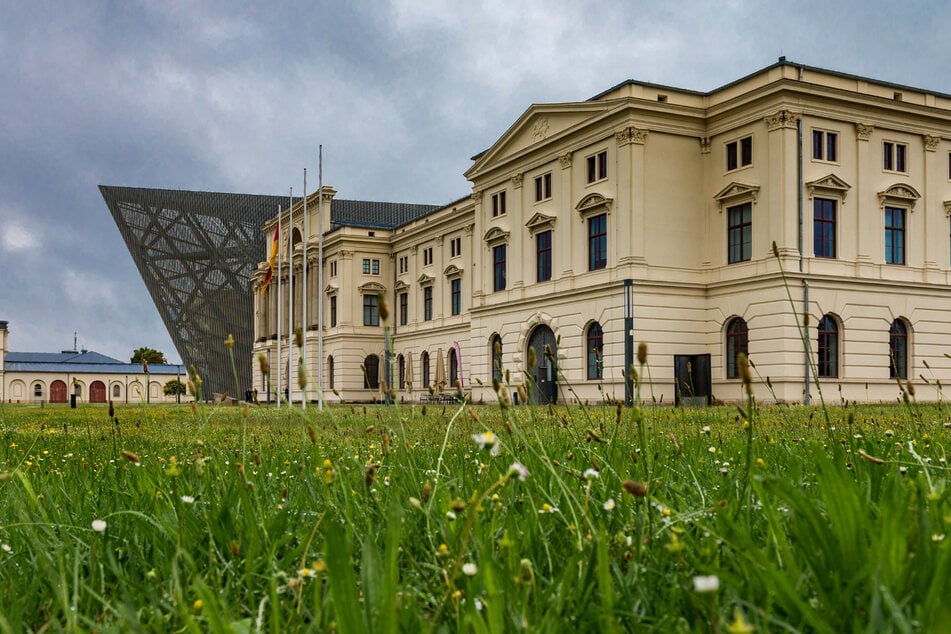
(864, 131)
(477, 195)
(516, 181)
(782, 119)
(565, 160)
(630, 135)
(704, 145)
(931, 142)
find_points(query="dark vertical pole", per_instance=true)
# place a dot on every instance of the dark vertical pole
(628, 341)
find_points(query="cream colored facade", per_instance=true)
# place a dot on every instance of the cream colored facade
(683, 194)
(90, 376)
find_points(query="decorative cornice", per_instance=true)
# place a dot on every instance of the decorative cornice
(331, 289)
(540, 221)
(592, 203)
(424, 279)
(829, 183)
(400, 285)
(516, 181)
(736, 191)
(782, 119)
(704, 145)
(374, 287)
(452, 271)
(931, 142)
(899, 194)
(864, 131)
(630, 135)
(565, 160)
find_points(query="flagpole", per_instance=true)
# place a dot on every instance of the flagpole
(280, 272)
(305, 325)
(320, 277)
(290, 298)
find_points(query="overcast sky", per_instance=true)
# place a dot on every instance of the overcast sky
(236, 96)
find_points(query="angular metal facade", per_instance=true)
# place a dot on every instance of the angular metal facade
(196, 252)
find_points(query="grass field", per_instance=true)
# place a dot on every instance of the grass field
(486, 519)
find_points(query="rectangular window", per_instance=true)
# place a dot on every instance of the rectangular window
(428, 303)
(739, 153)
(825, 145)
(455, 290)
(823, 238)
(597, 242)
(543, 256)
(498, 204)
(949, 165)
(375, 267)
(371, 312)
(404, 308)
(894, 235)
(498, 268)
(740, 232)
(543, 187)
(366, 266)
(333, 311)
(597, 166)
(893, 156)
(455, 247)
(333, 268)
(427, 256)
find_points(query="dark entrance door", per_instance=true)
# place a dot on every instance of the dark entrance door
(57, 392)
(97, 392)
(544, 375)
(692, 373)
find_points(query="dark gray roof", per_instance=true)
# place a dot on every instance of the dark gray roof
(80, 362)
(375, 215)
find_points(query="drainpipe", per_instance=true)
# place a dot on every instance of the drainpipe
(805, 283)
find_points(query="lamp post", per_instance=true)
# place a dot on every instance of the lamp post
(628, 342)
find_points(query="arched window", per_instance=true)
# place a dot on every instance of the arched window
(371, 372)
(898, 350)
(594, 351)
(116, 391)
(330, 371)
(401, 363)
(828, 350)
(424, 362)
(38, 390)
(737, 343)
(453, 368)
(495, 348)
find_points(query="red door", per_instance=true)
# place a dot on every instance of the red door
(97, 392)
(57, 392)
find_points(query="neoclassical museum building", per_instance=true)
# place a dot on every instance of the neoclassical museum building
(645, 214)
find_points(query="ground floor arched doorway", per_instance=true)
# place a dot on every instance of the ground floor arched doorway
(57, 392)
(544, 372)
(97, 392)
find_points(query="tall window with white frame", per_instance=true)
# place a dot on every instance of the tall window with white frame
(594, 347)
(898, 350)
(498, 204)
(740, 233)
(827, 363)
(597, 242)
(737, 343)
(543, 187)
(543, 256)
(428, 303)
(371, 310)
(498, 267)
(894, 235)
(404, 308)
(597, 166)
(823, 236)
(825, 146)
(333, 311)
(455, 295)
(894, 156)
(739, 153)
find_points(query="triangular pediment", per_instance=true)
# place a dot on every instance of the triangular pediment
(371, 287)
(425, 279)
(829, 183)
(540, 221)
(538, 125)
(452, 271)
(400, 286)
(496, 234)
(330, 289)
(736, 192)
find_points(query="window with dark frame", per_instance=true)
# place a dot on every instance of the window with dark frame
(375, 267)
(543, 256)
(498, 267)
(333, 311)
(898, 350)
(424, 362)
(825, 145)
(366, 266)
(827, 362)
(597, 242)
(404, 308)
(498, 204)
(401, 364)
(893, 156)
(330, 371)
(371, 372)
(427, 256)
(824, 219)
(543, 187)
(594, 347)
(333, 268)
(894, 235)
(428, 303)
(371, 311)
(737, 343)
(455, 247)
(739, 153)
(455, 294)
(597, 165)
(740, 233)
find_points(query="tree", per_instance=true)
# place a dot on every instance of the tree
(148, 354)
(173, 387)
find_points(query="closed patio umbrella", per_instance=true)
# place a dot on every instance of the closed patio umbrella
(409, 372)
(440, 371)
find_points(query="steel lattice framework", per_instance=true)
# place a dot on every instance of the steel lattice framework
(196, 252)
